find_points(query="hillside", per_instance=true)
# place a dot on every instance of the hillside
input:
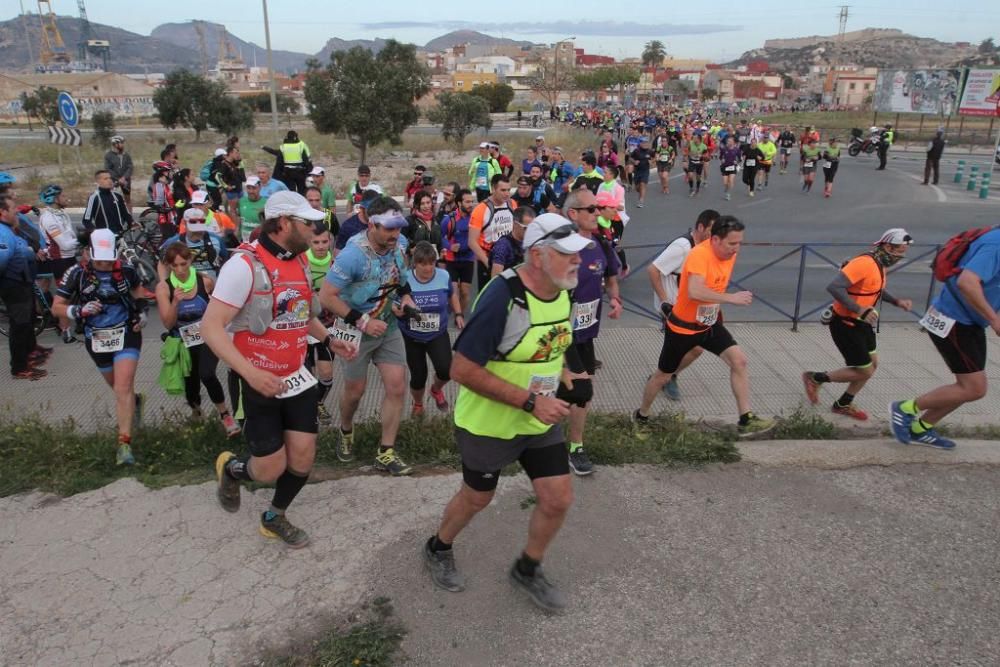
(470, 37)
(186, 36)
(868, 48)
(337, 44)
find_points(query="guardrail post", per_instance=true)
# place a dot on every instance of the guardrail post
(984, 185)
(798, 288)
(960, 172)
(973, 172)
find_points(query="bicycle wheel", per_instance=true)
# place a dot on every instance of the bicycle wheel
(146, 270)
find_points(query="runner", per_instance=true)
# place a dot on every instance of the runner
(105, 295)
(256, 322)
(695, 321)
(857, 292)
(508, 361)
(956, 323)
(810, 155)
(641, 159)
(482, 171)
(752, 155)
(490, 220)
(358, 222)
(459, 258)
(182, 300)
(251, 208)
(665, 274)
(209, 250)
(696, 150)
(319, 357)
(666, 155)
(508, 251)
(597, 276)
(768, 150)
(729, 159)
(356, 189)
(831, 160)
(786, 142)
(359, 290)
(425, 334)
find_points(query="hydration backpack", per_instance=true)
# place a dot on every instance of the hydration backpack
(946, 260)
(205, 173)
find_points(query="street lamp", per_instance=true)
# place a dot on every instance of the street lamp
(270, 74)
(556, 71)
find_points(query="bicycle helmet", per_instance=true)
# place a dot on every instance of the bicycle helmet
(6, 178)
(49, 193)
(118, 139)
(161, 167)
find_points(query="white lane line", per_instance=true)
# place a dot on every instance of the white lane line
(754, 203)
(941, 196)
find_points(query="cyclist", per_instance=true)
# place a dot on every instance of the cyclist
(831, 160)
(181, 300)
(161, 197)
(63, 242)
(105, 295)
(425, 334)
(105, 208)
(810, 156)
(257, 323)
(857, 291)
(786, 142)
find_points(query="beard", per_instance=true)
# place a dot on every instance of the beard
(296, 242)
(566, 281)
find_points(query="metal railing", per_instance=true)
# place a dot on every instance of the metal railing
(923, 252)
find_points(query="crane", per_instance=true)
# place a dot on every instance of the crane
(53, 49)
(87, 45)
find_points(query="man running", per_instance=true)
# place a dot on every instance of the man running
(257, 322)
(459, 258)
(857, 291)
(490, 220)
(509, 363)
(956, 323)
(364, 281)
(786, 142)
(695, 321)
(665, 274)
(696, 150)
(481, 172)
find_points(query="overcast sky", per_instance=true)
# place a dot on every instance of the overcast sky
(722, 32)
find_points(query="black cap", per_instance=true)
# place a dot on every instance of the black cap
(364, 170)
(523, 180)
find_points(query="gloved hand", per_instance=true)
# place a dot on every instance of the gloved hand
(90, 308)
(580, 394)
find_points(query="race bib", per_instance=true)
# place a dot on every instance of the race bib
(481, 183)
(827, 164)
(585, 314)
(428, 323)
(707, 314)
(296, 383)
(751, 163)
(808, 165)
(107, 340)
(351, 335)
(544, 385)
(191, 334)
(731, 168)
(937, 323)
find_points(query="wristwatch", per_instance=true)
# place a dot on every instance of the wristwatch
(529, 405)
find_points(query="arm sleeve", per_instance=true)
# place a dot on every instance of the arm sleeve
(838, 290)
(108, 164)
(483, 332)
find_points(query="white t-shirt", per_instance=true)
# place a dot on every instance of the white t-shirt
(234, 283)
(59, 227)
(669, 263)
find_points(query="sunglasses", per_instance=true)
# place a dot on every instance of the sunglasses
(593, 208)
(558, 233)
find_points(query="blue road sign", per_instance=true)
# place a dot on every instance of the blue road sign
(67, 109)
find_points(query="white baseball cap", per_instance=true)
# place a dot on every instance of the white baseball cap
(317, 171)
(199, 197)
(102, 245)
(291, 204)
(555, 230)
(194, 220)
(895, 236)
(220, 151)
(485, 144)
(253, 181)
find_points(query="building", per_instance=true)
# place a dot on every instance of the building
(463, 82)
(93, 91)
(849, 86)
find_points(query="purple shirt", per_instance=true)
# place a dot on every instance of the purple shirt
(596, 264)
(730, 156)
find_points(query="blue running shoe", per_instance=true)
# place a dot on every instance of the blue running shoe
(931, 439)
(900, 422)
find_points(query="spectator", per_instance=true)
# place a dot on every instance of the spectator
(119, 164)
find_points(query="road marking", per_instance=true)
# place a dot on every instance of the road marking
(941, 196)
(754, 203)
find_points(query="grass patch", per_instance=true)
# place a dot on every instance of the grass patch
(801, 425)
(371, 642)
(59, 458)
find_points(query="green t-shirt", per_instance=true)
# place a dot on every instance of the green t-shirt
(329, 197)
(250, 212)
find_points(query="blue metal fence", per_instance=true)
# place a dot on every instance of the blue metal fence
(924, 252)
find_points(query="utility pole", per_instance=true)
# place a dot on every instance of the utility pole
(270, 74)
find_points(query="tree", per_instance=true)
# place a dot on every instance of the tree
(653, 53)
(230, 115)
(370, 98)
(986, 47)
(186, 100)
(550, 81)
(709, 93)
(42, 104)
(261, 103)
(104, 127)
(497, 95)
(459, 113)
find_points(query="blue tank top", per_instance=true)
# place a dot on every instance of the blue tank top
(191, 310)
(432, 300)
(114, 312)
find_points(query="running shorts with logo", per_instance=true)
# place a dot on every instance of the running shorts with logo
(855, 339)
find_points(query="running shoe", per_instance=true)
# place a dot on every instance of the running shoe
(580, 463)
(811, 387)
(640, 204)
(30, 373)
(345, 447)
(279, 527)
(641, 426)
(417, 410)
(37, 357)
(439, 399)
(323, 415)
(691, 194)
(900, 422)
(930, 438)
(671, 390)
(444, 574)
(41, 349)
(230, 425)
(68, 337)
(389, 462)
(541, 591)
(850, 410)
(228, 491)
(123, 456)
(753, 194)
(755, 426)
(728, 197)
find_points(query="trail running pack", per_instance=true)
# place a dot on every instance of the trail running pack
(946, 260)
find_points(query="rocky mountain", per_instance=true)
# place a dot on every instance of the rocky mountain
(458, 37)
(871, 47)
(185, 35)
(336, 44)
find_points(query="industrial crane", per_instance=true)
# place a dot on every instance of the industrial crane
(53, 51)
(87, 45)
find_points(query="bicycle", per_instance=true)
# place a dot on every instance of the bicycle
(43, 313)
(134, 249)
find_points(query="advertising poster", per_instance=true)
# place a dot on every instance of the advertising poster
(981, 95)
(929, 91)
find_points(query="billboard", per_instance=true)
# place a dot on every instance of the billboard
(981, 95)
(931, 91)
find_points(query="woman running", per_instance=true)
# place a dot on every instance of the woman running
(810, 155)
(729, 157)
(752, 155)
(831, 160)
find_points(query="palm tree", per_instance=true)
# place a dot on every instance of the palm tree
(653, 53)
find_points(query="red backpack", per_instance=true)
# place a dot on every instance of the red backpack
(946, 260)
